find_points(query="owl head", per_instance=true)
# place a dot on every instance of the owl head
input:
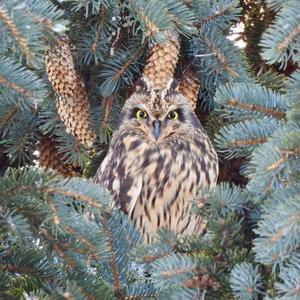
(158, 116)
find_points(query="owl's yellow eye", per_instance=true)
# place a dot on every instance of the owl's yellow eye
(141, 114)
(173, 115)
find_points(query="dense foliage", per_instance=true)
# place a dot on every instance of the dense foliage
(60, 237)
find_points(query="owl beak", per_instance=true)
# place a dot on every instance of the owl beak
(156, 129)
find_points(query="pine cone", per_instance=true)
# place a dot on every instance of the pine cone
(50, 158)
(161, 64)
(73, 103)
(189, 86)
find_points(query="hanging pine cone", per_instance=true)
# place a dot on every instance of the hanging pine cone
(73, 103)
(189, 86)
(50, 158)
(161, 64)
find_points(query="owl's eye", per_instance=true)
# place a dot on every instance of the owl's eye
(141, 114)
(173, 115)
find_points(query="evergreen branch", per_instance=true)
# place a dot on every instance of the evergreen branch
(289, 287)
(282, 46)
(13, 222)
(216, 13)
(30, 262)
(114, 269)
(120, 69)
(56, 219)
(93, 46)
(68, 146)
(245, 101)
(9, 23)
(151, 258)
(224, 200)
(270, 162)
(91, 6)
(8, 116)
(220, 56)
(172, 270)
(249, 142)
(154, 23)
(272, 80)
(22, 141)
(241, 138)
(82, 239)
(12, 85)
(256, 108)
(277, 233)
(73, 194)
(182, 16)
(176, 272)
(217, 61)
(245, 281)
(285, 155)
(45, 13)
(107, 105)
(60, 248)
(276, 4)
(289, 39)
(22, 80)
(150, 253)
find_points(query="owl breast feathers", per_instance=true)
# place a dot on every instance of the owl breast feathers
(159, 158)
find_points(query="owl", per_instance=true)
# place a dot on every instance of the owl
(158, 160)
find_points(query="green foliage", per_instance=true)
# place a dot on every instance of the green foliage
(217, 14)
(276, 4)
(245, 281)
(61, 238)
(282, 46)
(120, 70)
(265, 129)
(217, 60)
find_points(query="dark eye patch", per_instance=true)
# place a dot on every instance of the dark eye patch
(180, 114)
(133, 112)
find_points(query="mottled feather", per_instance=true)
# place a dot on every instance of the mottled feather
(154, 181)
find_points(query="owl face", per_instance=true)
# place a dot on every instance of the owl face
(158, 116)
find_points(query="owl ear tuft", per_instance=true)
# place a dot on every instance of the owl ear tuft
(141, 85)
(173, 85)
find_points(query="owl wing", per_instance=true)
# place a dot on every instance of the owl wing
(117, 177)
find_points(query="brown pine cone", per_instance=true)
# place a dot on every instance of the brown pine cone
(73, 103)
(50, 158)
(189, 86)
(161, 64)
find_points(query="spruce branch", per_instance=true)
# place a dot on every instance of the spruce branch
(7, 117)
(256, 108)
(11, 26)
(217, 14)
(114, 269)
(241, 138)
(248, 100)
(276, 4)
(219, 55)
(23, 81)
(245, 281)
(289, 39)
(121, 69)
(282, 46)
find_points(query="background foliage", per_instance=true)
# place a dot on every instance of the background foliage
(59, 236)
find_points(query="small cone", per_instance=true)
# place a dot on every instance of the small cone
(189, 86)
(161, 64)
(50, 158)
(73, 103)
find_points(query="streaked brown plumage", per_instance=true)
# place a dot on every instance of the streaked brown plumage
(156, 164)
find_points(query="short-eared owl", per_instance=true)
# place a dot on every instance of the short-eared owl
(159, 158)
